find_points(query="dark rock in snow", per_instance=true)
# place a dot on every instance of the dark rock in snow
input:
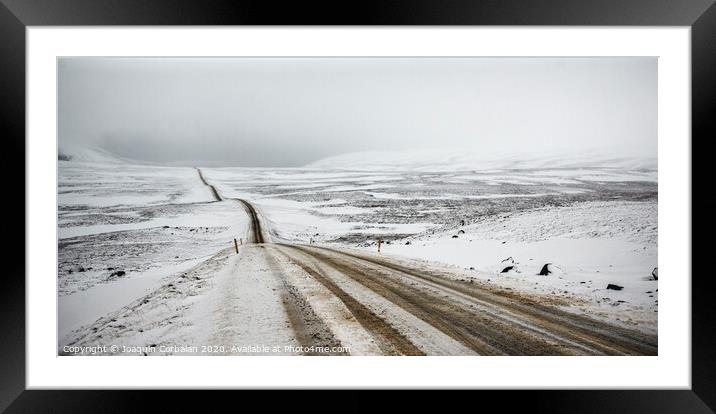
(165, 227)
(454, 236)
(509, 259)
(118, 273)
(655, 273)
(614, 287)
(462, 222)
(407, 242)
(507, 269)
(461, 232)
(545, 270)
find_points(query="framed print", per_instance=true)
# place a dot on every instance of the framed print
(478, 198)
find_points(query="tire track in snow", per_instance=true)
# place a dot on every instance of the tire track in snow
(588, 335)
(309, 329)
(389, 339)
(480, 333)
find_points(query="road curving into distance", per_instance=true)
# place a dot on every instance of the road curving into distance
(256, 233)
(214, 193)
(256, 230)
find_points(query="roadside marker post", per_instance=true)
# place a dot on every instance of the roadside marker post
(379, 243)
(236, 246)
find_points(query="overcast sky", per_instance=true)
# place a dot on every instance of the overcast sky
(291, 111)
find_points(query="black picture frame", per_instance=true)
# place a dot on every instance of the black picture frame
(16, 15)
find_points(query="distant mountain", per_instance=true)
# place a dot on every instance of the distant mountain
(470, 160)
(96, 155)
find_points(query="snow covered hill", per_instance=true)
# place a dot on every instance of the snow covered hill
(457, 160)
(94, 155)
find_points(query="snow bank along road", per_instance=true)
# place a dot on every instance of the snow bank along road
(340, 301)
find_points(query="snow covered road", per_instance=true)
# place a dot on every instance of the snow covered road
(483, 320)
(288, 299)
